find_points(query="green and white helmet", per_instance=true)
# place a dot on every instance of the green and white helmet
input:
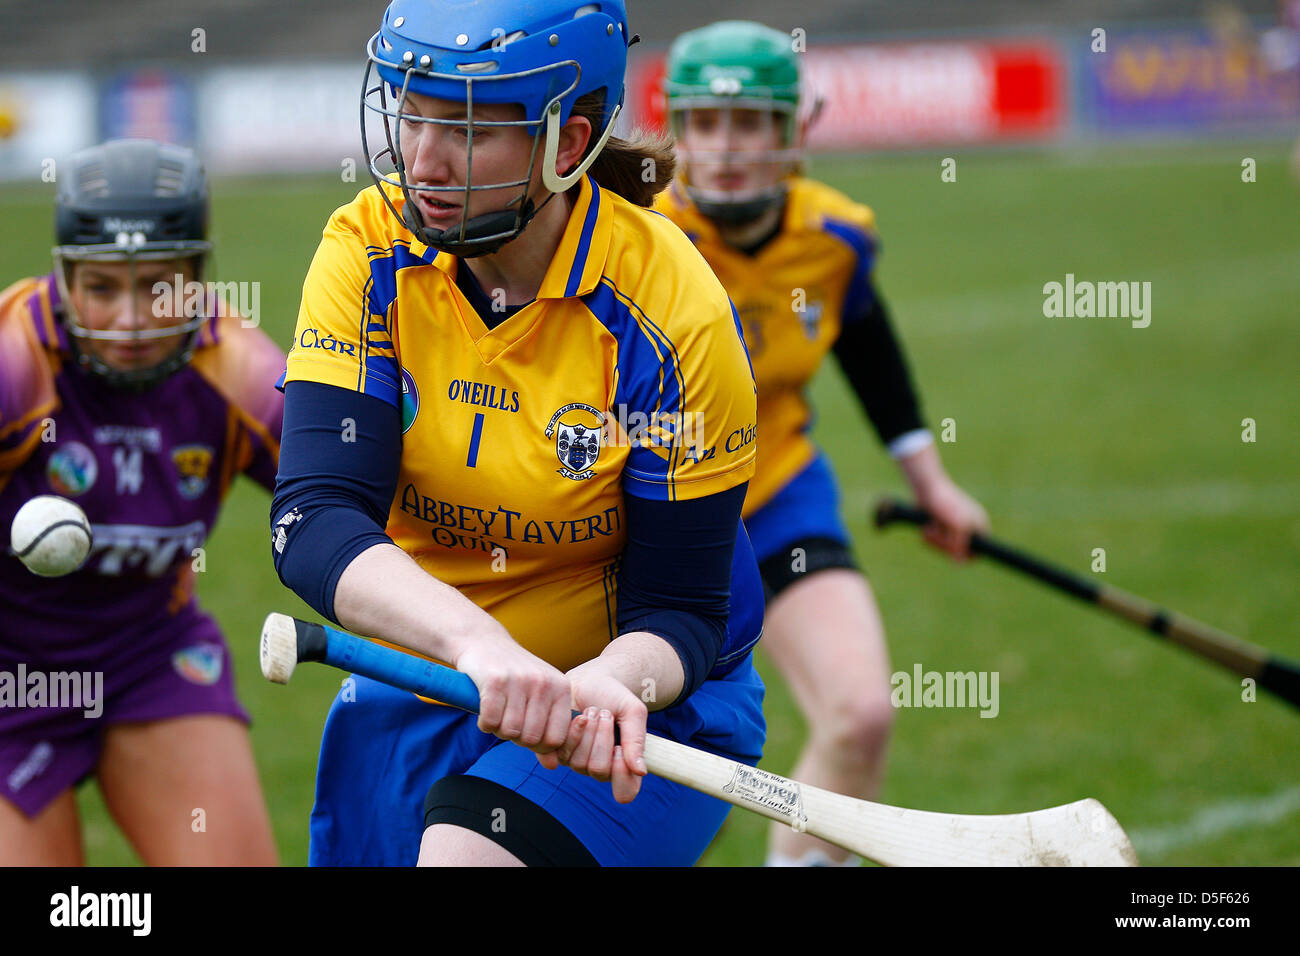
(730, 65)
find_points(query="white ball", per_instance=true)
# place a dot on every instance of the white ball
(51, 536)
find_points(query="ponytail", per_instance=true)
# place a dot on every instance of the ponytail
(638, 168)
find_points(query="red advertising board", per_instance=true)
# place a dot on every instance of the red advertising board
(908, 94)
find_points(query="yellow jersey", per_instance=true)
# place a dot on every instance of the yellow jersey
(792, 297)
(627, 375)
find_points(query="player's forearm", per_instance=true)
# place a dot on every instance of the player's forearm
(924, 470)
(383, 593)
(644, 663)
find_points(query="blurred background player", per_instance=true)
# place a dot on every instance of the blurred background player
(142, 407)
(797, 259)
(1280, 49)
(1275, 48)
(512, 503)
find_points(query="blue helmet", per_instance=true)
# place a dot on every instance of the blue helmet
(541, 54)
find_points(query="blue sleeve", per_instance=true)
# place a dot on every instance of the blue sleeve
(675, 577)
(339, 456)
(859, 297)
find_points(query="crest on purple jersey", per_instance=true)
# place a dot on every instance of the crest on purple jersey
(193, 462)
(200, 664)
(72, 469)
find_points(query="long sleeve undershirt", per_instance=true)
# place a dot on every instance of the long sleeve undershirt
(332, 499)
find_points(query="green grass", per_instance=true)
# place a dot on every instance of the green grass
(1075, 434)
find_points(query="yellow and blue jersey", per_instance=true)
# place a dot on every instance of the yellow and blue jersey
(627, 375)
(793, 297)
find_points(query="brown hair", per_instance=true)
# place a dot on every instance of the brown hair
(638, 168)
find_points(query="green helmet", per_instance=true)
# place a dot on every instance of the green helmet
(735, 64)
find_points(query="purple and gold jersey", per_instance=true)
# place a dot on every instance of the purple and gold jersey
(150, 469)
(793, 297)
(627, 375)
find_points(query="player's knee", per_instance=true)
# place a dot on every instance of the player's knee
(857, 731)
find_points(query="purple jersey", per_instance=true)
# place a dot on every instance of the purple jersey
(150, 469)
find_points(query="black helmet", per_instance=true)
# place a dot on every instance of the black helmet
(131, 200)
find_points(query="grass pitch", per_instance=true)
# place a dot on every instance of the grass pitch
(1076, 434)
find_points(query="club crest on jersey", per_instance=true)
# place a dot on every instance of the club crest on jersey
(193, 463)
(577, 429)
(810, 317)
(410, 401)
(200, 664)
(72, 469)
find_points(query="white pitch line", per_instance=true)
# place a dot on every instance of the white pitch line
(1213, 821)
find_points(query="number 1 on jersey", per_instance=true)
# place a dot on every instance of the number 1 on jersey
(472, 460)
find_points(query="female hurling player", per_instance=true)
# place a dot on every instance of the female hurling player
(519, 428)
(797, 259)
(127, 391)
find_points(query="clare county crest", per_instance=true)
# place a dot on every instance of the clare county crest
(193, 465)
(810, 318)
(577, 431)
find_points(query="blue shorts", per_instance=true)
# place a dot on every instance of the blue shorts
(807, 507)
(383, 749)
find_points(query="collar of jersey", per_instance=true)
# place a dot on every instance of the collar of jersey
(45, 306)
(579, 259)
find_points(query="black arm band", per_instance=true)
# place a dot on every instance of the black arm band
(873, 362)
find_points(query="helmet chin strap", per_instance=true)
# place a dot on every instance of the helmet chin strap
(736, 213)
(477, 238)
(550, 178)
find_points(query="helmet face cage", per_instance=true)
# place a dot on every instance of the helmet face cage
(779, 115)
(485, 233)
(132, 249)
